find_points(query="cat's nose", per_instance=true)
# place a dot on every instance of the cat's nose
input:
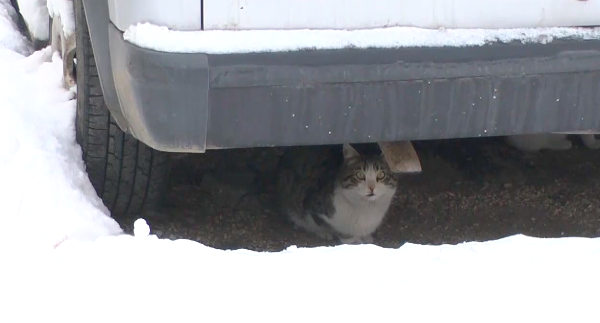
(371, 188)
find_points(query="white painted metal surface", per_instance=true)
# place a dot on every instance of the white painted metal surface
(363, 14)
(175, 14)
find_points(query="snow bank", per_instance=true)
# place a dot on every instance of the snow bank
(45, 195)
(10, 38)
(145, 279)
(35, 14)
(245, 41)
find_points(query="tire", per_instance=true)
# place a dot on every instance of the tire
(128, 175)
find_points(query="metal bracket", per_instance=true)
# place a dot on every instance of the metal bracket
(401, 156)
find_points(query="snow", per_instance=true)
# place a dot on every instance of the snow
(65, 260)
(35, 14)
(141, 228)
(45, 195)
(63, 9)
(9, 35)
(146, 279)
(160, 38)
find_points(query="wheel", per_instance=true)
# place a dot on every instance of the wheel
(128, 175)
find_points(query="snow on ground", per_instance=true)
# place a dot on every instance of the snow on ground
(35, 14)
(146, 279)
(10, 38)
(100, 275)
(161, 38)
(45, 195)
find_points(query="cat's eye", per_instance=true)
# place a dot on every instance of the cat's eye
(380, 175)
(360, 175)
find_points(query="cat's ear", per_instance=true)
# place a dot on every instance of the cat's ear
(349, 152)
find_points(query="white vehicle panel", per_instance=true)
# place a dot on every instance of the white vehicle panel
(365, 14)
(174, 14)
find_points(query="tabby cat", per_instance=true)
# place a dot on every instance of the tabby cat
(333, 194)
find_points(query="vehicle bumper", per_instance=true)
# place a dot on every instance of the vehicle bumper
(181, 102)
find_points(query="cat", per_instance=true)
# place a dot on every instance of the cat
(536, 142)
(335, 195)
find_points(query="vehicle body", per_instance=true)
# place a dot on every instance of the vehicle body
(190, 102)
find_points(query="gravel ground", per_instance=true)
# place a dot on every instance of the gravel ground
(470, 189)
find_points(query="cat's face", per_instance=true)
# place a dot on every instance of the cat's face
(367, 177)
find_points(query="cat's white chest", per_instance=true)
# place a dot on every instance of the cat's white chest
(359, 219)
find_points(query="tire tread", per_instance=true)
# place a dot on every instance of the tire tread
(128, 175)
